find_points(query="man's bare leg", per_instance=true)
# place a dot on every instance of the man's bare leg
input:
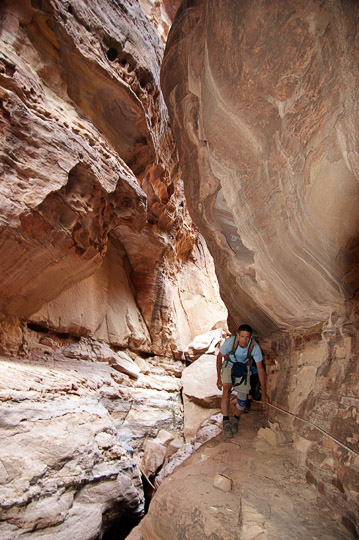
(226, 393)
(241, 402)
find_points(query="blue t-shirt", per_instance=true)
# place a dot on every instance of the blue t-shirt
(240, 353)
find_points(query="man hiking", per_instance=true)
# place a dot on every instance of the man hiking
(238, 349)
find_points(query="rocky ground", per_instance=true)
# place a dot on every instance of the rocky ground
(72, 425)
(249, 487)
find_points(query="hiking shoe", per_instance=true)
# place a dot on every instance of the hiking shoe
(227, 430)
(235, 422)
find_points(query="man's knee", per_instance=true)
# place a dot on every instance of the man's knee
(226, 389)
(241, 401)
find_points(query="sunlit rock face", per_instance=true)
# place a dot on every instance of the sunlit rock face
(263, 100)
(74, 418)
(161, 14)
(104, 278)
(94, 227)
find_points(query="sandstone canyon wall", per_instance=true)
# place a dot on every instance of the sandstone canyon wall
(90, 177)
(264, 105)
(104, 278)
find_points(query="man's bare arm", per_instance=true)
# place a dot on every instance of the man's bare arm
(219, 365)
(262, 379)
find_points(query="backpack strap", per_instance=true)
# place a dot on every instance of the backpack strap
(249, 353)
(249, 358)
(235, 345)
(232, 352)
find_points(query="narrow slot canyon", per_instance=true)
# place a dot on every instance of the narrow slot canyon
(171, 170)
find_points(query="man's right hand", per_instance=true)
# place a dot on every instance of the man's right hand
(219, 383)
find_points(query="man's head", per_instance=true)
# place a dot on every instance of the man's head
(244, 333)
(245, 328)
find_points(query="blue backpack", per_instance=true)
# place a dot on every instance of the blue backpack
(241, 370)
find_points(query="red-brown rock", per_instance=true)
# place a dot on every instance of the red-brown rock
(263, 100)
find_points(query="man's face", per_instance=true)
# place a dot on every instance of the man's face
(243, 338)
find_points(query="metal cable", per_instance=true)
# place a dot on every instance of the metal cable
(313, 425)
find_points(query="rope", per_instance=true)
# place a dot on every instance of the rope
(148, 480)
(313, 425)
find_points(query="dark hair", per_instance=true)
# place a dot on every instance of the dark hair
(245, 328)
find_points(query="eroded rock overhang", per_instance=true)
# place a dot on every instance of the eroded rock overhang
(263, 100)
(92, 199)
(77, 134)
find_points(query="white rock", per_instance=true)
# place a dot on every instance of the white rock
(194, 416)
(172, 448)
(222, 482)
(164, 437)
(205, 343)
(153, 457)
(199, 381)
(122, 362)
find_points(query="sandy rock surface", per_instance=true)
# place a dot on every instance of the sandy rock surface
(243, 488)
(73, 424)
